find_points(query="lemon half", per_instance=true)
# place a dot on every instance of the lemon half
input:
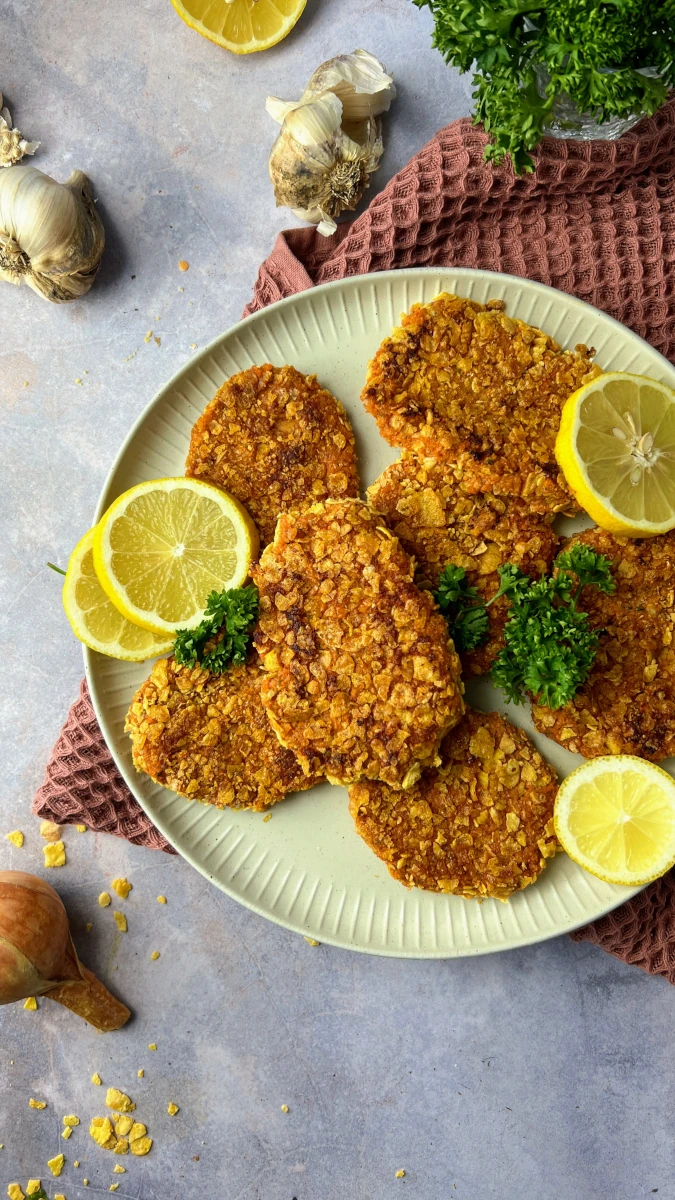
(165, 545)
(243, 26)
(616, 448)
(615, 817)
(94, 618)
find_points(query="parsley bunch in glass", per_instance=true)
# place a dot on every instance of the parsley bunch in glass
(222, 639)
(549, 644)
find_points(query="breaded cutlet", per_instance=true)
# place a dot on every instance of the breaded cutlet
(274, 438)
(362, 681)
(207, 737)
(480, 824)
(627, 705)
(437, 522)
(484, 392)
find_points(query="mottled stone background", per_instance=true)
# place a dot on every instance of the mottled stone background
(540, 1073)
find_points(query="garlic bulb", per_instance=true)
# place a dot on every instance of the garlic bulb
(51, 236)
(38, 958)
(13, 145)
(316, 168)
(359, 80)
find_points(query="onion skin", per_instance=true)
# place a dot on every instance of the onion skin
(38, 958)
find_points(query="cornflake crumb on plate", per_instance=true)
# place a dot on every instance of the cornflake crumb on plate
(96, 1078)
(122, 887)
(155, 955)
(76, 1162)
(140, 1073)
(31, 1004)
(37, 1104)
(161, 899)
(81, 828)
(119, 1101)
(101, 1130)
(66, 1133)
(152, 1045)
(148, 336)
(124, 1126)
(113, 1187)
(59, 1196)
(85, 1183)
(400, 1174)
(285, 1108)
(56, 1164)
(50, 831)
(55, 854)
(172, 1109)
(104, 899)
(14, 1192)
(118, 1169)
(268, 817)
(17, 839)
(71, 1120)
(33, 1186)
(121, 922)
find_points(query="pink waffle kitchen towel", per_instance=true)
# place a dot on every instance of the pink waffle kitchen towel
(595, 219)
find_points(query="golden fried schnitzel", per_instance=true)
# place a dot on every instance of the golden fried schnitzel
(627, 705)
(437, 522)
(481, 824)
(362, 681)
(482, 391)
(274, 438)
(207, 737)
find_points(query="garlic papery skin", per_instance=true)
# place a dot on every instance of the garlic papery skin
(37, 955)
(51, 236)
(13, 145)
(316, 169)
(359, 80)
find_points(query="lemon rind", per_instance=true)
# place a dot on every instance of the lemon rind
(252, 47)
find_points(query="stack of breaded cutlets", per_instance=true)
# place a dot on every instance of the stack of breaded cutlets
(353, 677)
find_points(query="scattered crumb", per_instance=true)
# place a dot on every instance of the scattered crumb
(16, 838)
(55, 854)
(124, 1126)
(33, 1186)
(72, 1120)
(172, 1109)
(50, 831)
(56, 1164)
(312, 941)
(25, 383)
(31, 1004)
(141, 1146)
(118, 1101)
(195, 1158)
(14, 1192)
(66, 1133)
(138, 1130)
(37, 1104)
(140, 1073)
(89, 926)
(285, 1108)
(79, 381)
(59, 1196)
(118, 1169)
(161, 899)
(148, 336)
(76, 1163)
(122, 887)
(96, 1078)
(155, 955)
(81, 828)
(121, 922)
(193, 345)
(158, 341)
(132, 355)
(85, 1182)
(104, 899)
(400, 1174)
(152, 1045)
(102, 1132)
(180, 289)
(113, 1187)
(122, 1146)
(268, 817)
(184, 266)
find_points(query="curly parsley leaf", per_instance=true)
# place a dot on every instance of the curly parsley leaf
(527, 52)
(222, 638)
(549, 645)
(462, 607)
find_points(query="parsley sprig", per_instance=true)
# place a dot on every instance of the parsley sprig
(593, 50)
(549, 645)
(221, 640)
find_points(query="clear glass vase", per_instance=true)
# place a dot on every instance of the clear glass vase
(567, 122)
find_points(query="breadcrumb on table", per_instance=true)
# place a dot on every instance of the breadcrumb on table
(361, 679)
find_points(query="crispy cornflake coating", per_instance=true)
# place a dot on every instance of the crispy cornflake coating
(465, 383)
(362, 680)
(207, 737)
(627, 705)
(274, 438)
(481, 824)
(438, 523)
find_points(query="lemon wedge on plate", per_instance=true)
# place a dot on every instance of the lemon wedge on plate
(165, 545)
(95, 620)
(616, 448)
(615, 817)
(242, 26)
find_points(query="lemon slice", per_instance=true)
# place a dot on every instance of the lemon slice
(616, 448)
(242, 26)
(615, 817)
(95, 620)
(163, 546)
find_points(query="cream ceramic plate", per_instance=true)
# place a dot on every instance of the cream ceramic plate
(306, 868)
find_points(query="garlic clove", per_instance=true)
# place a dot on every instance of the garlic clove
(359, 80)
(13, 145)
(51, 236)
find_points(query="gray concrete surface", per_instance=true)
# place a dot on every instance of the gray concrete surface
(543, 1073)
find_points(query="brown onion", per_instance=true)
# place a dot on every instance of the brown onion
(38, 958)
